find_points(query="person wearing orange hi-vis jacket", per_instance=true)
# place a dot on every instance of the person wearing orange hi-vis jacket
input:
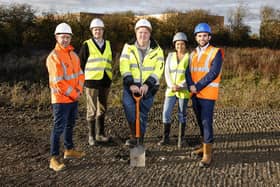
(66, 81)
(203, 77)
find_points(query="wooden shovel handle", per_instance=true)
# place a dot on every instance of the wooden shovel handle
(137, 99)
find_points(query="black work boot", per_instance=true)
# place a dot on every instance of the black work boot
(141, 139)
(131, 141)
(183, 127)
(100, 135)
(166, 131)
(91, 132)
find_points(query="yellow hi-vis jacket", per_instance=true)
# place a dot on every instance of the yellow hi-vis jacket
(200, 67)
(97, 63)
(175, 74)
(152, 65)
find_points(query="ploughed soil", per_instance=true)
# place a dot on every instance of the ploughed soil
(246, 151)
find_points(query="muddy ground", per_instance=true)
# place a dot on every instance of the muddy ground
(246, 152)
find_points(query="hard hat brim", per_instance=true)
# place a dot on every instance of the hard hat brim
(63, 33)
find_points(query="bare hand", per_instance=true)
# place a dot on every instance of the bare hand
(193, 89)
(144, 89)
(175, 88)
(79, 94)
(134, 89)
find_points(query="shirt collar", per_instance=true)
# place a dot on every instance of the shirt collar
(99, 43)
(138, 47)
(201, 49)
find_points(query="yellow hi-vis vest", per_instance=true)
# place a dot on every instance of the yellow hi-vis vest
(152, 65)
(177, 75)
(97, 63)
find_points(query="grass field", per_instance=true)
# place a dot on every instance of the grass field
(250, 79)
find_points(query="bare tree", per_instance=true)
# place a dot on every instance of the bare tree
(239, 32)
(270, 27)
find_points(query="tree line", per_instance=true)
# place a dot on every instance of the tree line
(22, 30)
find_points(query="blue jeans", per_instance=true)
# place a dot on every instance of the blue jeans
(204, 110)
(129, 108)
(65, 115)
(168, 106)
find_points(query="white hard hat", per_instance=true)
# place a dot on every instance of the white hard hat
(180, 36)
(96, 22)
(143, 23)
(63, 28)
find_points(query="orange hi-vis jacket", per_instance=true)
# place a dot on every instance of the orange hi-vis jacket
(65, 75)
(200, 67)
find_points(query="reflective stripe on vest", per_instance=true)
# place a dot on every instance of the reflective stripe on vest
(97, 63)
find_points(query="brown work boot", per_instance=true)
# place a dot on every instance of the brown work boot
(207, 155)
(197, 152)
(71, 153)
(55, 165)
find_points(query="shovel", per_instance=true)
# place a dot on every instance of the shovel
(180, 136)
(137, 153)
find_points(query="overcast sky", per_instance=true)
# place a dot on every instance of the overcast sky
(217, 7)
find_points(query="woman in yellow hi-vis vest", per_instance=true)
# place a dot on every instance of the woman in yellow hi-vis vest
(96, 60)
(175, 68)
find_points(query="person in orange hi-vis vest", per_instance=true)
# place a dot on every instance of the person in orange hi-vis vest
(66, 81)
(203, 77)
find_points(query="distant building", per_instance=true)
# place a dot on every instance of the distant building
(88, 15)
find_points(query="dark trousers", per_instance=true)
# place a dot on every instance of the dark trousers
(129, 108)
(204, 110)
(64, 121)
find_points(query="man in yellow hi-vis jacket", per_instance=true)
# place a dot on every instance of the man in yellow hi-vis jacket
(141, 66)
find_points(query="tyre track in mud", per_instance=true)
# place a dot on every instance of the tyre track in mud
(246, 151)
